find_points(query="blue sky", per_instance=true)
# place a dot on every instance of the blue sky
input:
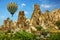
(27, 6)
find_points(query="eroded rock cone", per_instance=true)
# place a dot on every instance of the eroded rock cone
(35, 16)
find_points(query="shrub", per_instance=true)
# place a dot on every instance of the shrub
(55, 36)
(20, 35)
(39, 28)
(24, 35)
(58, 23)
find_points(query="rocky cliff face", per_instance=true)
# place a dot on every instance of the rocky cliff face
(21, 19)
(35, 16)
(8, 23)
(46, 20)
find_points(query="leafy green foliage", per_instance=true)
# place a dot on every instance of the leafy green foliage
(39, 28)
(55, 36)
(58, 24)
(24, 35)
(21, 35)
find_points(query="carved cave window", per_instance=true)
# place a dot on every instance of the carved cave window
(37, 22)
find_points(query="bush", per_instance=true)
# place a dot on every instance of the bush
(24, 35)
(55, 36)
(21, 35)
(39, 28)
(58, 23)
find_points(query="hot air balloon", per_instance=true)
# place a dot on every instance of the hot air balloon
(12, 8)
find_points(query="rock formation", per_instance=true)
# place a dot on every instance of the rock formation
(21, 19)
(35, 16)
(46, 20)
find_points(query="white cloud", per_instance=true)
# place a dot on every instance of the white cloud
(23, 4)
(2, 16)
(45, 6)
(26, 12)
